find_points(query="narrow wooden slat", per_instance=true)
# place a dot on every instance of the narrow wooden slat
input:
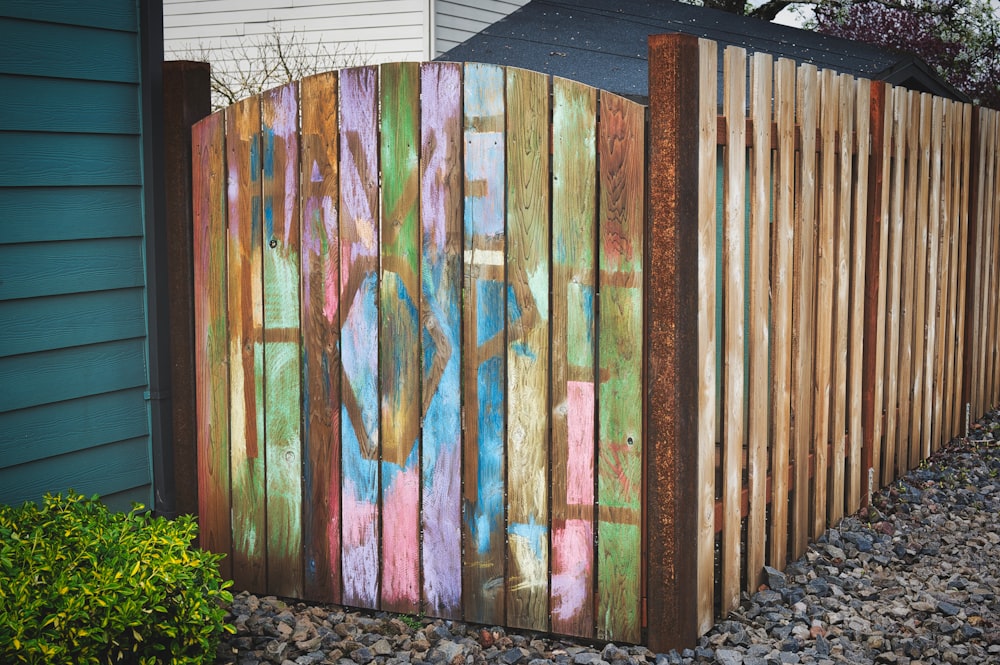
(949, 340)
(976, 261)
(994, 186)
(209, 202)
(707, 290)
(246, 345)
(359, 336)
(857, 472)
(804, 303)
(282, 372)
(734, 344)
(759, 231)
(399, 348)
(782, 275)
(989, 293)
(574, 177)
(484, 520)
(842, 231)
(933, 396)
(920, 315)
(528, 278)
(825, 273)
(893, 290)
(621, 145)
(963, 148)
(321, 338)
(441, 312)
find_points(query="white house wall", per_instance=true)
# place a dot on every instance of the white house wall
(456, 20)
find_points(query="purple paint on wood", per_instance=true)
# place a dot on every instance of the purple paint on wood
(360, 548)
(573, 556)
(441, 336)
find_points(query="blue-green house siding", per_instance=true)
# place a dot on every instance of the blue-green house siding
(74, 350)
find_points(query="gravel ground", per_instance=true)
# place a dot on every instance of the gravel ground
(915, 579)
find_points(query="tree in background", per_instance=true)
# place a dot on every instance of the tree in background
(959, 39)
(261, 62)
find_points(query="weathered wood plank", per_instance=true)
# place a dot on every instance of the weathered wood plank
(708, 55)
(758, 241)
(210, 337)
(359, 336)
(282, 373)
(962, 146)
(574, 224)
(399, 349)
(920, 316)
(528, 283)
(318, 164)
(733, 324)
(484, 520)
(804, 302)
(441, 325)
(933, 359)
(621, 141)
(246, 345)
(782, 275)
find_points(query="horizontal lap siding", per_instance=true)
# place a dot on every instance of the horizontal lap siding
(73, 348)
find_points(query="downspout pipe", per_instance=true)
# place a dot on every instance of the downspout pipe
(157, 301)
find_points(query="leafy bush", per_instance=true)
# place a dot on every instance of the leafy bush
(80, 584)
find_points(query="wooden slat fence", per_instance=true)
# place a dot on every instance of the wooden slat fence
(401, 268)
(451, 362)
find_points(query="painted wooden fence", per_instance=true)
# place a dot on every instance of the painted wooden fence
(463, 349)
(420, 343)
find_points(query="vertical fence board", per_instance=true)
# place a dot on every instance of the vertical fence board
(782, 275)
(990, 268)
(734, 293)
(932, 358)
(965, 234)
(210, 336)
(574, 169)
(441, 312)
(758, 236)
(621, 141)
(399, 336)
(898, 143)
(282, 375)
(359, 336)
(485, 298)
(825, 257)
(528, 283)
(920, 282)
(804, 303)
(855, 485)
(949, 340)
(320, 338)
(246, 350)
(708, 55)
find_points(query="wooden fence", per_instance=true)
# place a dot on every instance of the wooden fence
(470, 343)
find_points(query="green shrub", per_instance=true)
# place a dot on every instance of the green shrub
(80, 584)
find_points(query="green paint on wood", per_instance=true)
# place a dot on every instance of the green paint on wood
(618, 611)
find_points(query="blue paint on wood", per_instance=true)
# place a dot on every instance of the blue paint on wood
(488, 515)
(37, 159)
(489, 315)
(360, 358)
(59, 51)
(45, 214)
(536, 534)
(61, 106)
(45, 269)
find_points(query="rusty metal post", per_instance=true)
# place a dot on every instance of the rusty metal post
(876, 176)
(186, 99)
(671, 348)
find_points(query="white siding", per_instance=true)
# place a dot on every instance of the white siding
(457, 20)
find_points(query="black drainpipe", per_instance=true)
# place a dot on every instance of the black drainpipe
(157, 301)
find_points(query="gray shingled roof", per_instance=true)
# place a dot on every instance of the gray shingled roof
(603, 43)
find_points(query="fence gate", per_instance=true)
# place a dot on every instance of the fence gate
(419, 343)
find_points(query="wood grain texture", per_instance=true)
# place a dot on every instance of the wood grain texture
(734, 407)
(574, 336)
(399, 337)
(621, 140)
(359, 336)
(961, 371)
(528, 283)
(70, 160)
(933, 359)
(758, 324)
(246, 344)
(210, 338)
(441, 330)
(484, 518)
(55, 268)
(282, 350)
(319, 169)
(804, 302)
(708, 56)
(920, 312)
(57, 213)
(782, 275)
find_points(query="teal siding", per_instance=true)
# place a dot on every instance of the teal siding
(74, 378)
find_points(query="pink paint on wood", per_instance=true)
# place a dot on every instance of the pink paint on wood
(443, 531)
(573, 556)
(331, 302)
(360, 552)
(401, 538)
(580, 422)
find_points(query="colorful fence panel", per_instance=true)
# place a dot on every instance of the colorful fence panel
(413, 255)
